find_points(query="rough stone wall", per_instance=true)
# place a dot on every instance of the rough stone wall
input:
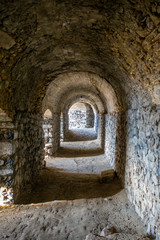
(47, 128)
(96, 120)
(89, 118)
(101, 130)
(48, 135)
(143, 164)
(8, 136)
(65, 125)
(56, 132)
(120, 151)
(115, 136)
(77, 119)
(110, 138)
(30, 152)
(61, 128)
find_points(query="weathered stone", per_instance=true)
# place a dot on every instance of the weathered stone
(6, 41)
(6, 125)
(159, 128)
(6, 149)
(107, 231)
(1, 162)
(6, 171)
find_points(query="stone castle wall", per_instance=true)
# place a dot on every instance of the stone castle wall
(8, 136)
(29, 152)
(142, 177)
(77, 119)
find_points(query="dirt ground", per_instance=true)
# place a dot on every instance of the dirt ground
(52, 184)
(69, 204)
(70, 220)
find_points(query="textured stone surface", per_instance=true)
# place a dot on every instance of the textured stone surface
(30, 150)
(142, 176)
(77, 119)
(1, 162)
(6, 149)
(6, 171)
(6, 41)
(7, 152)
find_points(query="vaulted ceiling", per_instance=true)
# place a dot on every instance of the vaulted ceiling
(117, 40)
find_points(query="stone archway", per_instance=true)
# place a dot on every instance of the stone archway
(102, 96)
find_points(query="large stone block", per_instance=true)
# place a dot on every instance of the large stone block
(1, 162)
(6, 148)
(6, 171)
(6, 41)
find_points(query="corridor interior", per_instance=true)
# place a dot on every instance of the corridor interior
(79, 119)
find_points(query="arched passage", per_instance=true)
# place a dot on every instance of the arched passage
(79, 118)
(86, 88)
(117, 41)
(82, 98)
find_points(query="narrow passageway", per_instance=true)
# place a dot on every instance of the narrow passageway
(79, 118)
(74, 172)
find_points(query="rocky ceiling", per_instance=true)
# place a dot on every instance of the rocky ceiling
(118, 40)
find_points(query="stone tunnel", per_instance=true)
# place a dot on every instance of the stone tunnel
(104, 55)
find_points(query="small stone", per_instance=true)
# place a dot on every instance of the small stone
(1, 162)
(9, 135)
(6, 41)
(107, 231)
(6, 149)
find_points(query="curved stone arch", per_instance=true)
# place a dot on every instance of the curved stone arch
(84, 96)
(81, 80)
(47, 114)
(81, 96)
(66, 83)
(81, 100)
(69, 104)
(45, 109)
